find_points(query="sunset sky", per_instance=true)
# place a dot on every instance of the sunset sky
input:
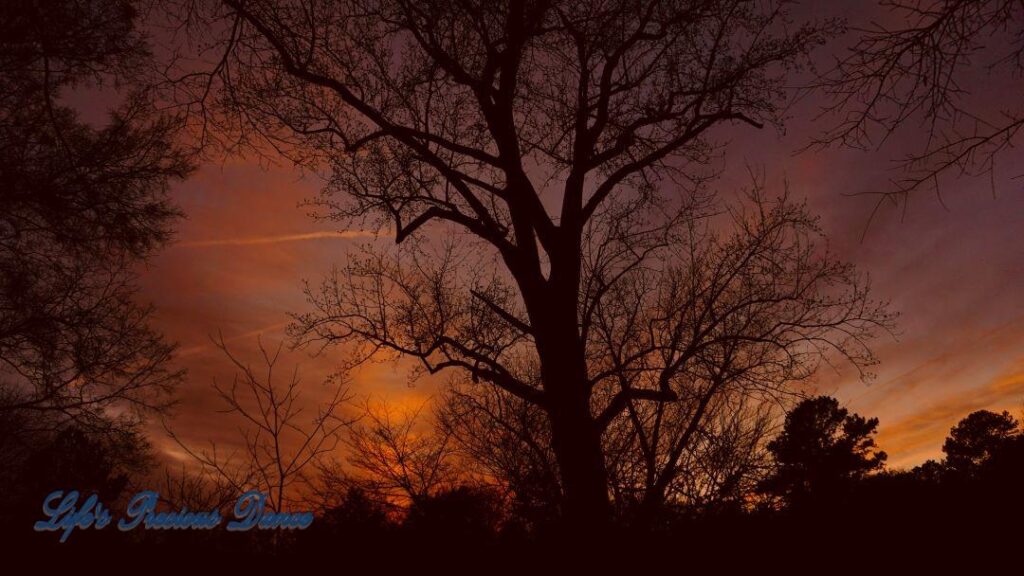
(955, 275)
(954, 270)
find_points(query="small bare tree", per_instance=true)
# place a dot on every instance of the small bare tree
(506, 441)
(398, 457)
(197, 491)
(279, 448)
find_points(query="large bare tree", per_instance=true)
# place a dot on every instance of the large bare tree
(691, 351)
(526, 131)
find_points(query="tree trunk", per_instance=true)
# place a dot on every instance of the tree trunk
(576, 437)
(576, 441)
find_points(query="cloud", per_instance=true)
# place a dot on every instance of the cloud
(203, 348)
(276, 239)
(920, 435)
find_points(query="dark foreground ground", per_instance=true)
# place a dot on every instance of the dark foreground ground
(973, 541)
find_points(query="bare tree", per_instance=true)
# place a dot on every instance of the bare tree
(728, 459)
(692, 354)
(518, 124)
(722, 317)
(917, 71)
(398, 457)
(279, 447)
(714, 468)
(507, 442)
(80, 208)
(197, 491)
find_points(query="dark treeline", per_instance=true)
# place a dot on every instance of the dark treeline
(825, 490)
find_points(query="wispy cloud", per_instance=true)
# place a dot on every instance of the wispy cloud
(274, 329)
(276, 239)
(921, 435)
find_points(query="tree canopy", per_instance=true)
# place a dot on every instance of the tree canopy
(80, 207)
(822, 452)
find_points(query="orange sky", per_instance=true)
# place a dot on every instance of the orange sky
(954, 270)
(954, 275)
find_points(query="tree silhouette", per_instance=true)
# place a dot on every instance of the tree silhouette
(281, 439)
(80, 207)
(822, 451)
(74, 460)
(461, 512)
(507, 441)
(966, 499)
(976, 438)
(560, 146)
(184, 488)
(741, 312)
(356, 516)
(397, 457)
(717, 468)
